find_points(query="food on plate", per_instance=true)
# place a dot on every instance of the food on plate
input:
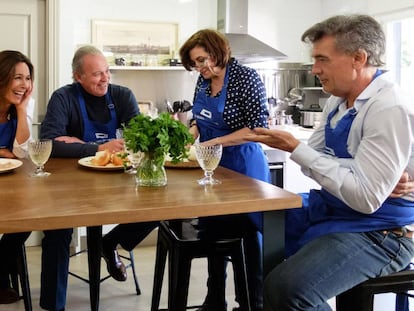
(117, 159)
(6, 165)
(106, 158)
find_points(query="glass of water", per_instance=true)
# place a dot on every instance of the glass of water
(39, 153)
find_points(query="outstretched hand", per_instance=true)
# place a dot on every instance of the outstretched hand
(274, 138)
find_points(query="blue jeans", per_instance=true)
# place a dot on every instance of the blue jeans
(332, 264)
(55, 267)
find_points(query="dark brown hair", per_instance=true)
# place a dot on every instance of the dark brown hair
(215, 44)
(8, 61)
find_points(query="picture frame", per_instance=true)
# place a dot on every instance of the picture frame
(135, 43)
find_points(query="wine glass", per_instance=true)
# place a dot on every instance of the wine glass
(134, 158)
(208, 157)
(39, 153)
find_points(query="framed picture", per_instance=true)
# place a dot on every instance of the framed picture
(131, 43)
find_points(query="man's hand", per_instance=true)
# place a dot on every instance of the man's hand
(69, 139)
(114, 145)
(274, 138)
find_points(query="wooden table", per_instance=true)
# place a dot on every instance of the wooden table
(75, 196)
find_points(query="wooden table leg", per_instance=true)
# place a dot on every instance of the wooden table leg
(94, 241)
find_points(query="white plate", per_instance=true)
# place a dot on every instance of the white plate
(86, 162)
(7, 165)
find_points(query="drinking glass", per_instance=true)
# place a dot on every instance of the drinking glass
(133, 158)
(208, 157)
(39, 153)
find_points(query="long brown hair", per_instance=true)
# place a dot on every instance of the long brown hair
(8, 61)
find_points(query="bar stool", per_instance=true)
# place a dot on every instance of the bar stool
(131, 265)
(182, 245)
(361, 297)
(21, 274)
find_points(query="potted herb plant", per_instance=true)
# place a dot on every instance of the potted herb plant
(156, 138)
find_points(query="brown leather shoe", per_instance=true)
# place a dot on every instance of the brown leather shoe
(114, 264)
(8, 295)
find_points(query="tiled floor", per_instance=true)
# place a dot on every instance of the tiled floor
(117, 295)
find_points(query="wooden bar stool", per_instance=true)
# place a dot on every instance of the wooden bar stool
(182, 246)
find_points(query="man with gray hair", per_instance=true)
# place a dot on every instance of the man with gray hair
(358, 226)
(82, 119)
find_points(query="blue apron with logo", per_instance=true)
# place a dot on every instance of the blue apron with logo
(7, 134)
(323, 213)
(248, 158)
(95, 131)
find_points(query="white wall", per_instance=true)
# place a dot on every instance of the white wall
(76, 17)
(275, 22)
(281, 23)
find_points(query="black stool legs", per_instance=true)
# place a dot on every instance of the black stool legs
(23, 274)
(181, 251)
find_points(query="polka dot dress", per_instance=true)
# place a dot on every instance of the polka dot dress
(245, 100)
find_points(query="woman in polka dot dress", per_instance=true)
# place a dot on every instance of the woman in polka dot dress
(229, 101)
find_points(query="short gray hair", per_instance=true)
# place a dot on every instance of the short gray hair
(77, 62)
(352, 33)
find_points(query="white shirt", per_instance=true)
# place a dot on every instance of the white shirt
(20, 150)
(380, 142)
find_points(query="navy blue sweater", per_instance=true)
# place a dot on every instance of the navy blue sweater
(63, 118)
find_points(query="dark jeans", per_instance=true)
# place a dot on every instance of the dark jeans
(9, 246)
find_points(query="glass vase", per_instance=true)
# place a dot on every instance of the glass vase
(151, 171)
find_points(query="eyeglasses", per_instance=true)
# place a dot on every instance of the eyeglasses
(200, 63)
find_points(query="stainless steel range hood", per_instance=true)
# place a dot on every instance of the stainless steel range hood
(232, 20)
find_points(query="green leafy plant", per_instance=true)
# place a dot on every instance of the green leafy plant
(160, 136)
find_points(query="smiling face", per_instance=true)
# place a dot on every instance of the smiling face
(19, 84)
(95, 74)
(204, 63)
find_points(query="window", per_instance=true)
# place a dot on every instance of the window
(400, 51)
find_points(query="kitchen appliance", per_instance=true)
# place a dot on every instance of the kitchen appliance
(276, 160)
(311, 105)
(284, 83)
(232, 20)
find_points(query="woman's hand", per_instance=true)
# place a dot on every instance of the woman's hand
(404, 186)
(22, 106)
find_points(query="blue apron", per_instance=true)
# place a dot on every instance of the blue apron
(7, 134)
(94, 131)
(323, 213)
(248, 158)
